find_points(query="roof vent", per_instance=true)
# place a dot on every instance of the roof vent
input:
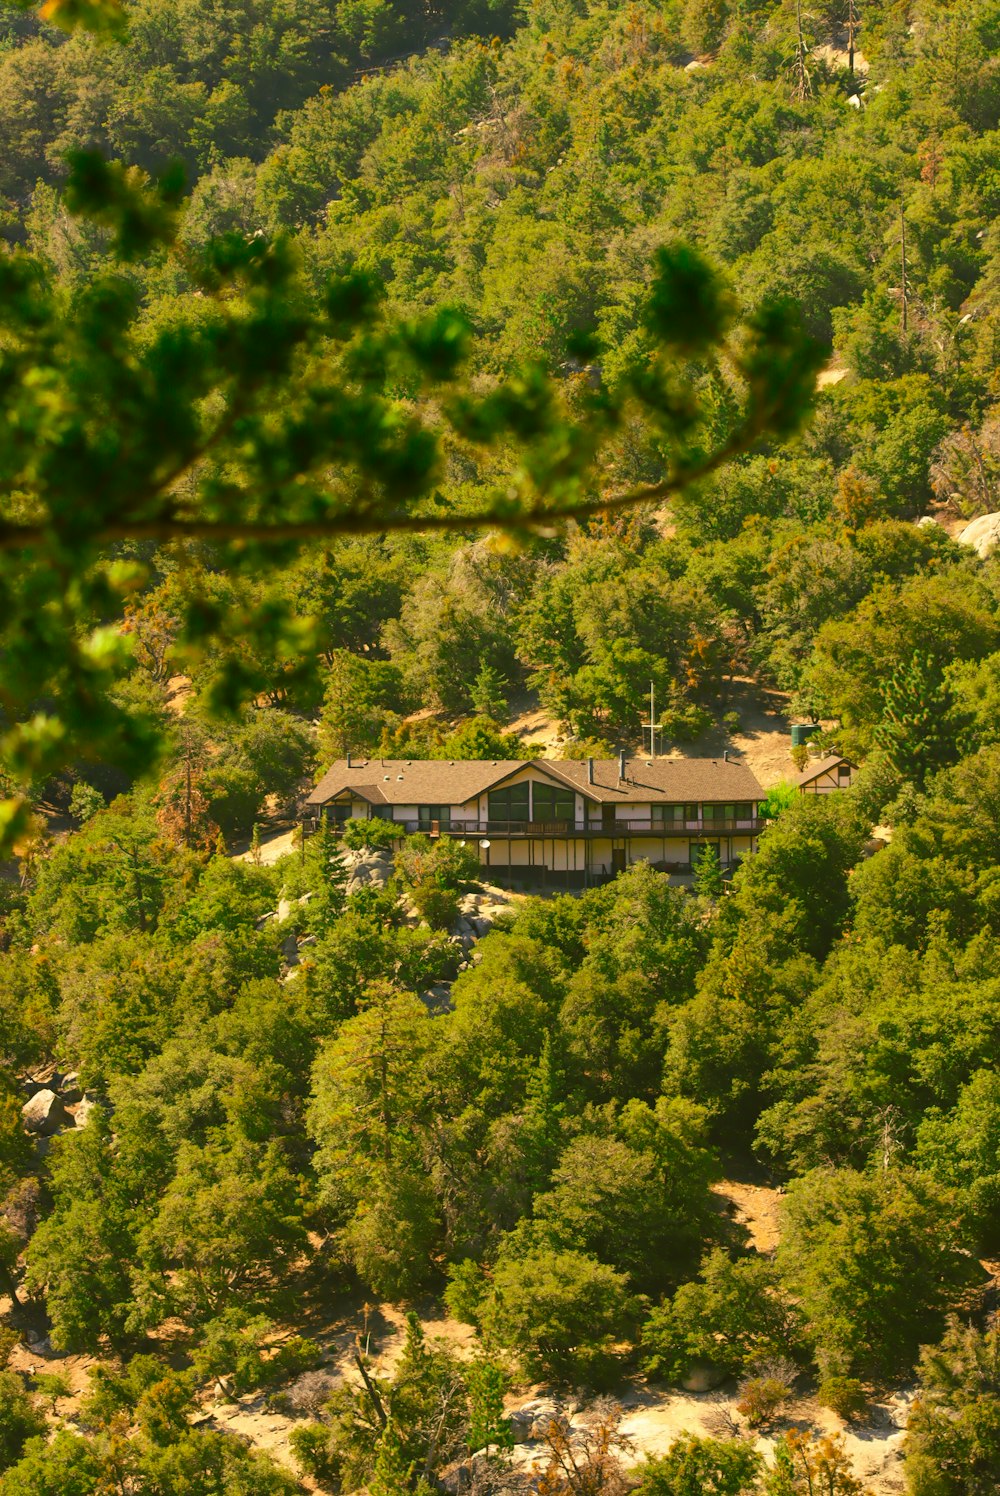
(386, 778)
(621, 766)
(725, 755)
(399, 778)
(590, 771)
(649, 763)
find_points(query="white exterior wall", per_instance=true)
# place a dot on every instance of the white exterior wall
(592, 855)
(827, 781)
(630, 812)
(563, 854)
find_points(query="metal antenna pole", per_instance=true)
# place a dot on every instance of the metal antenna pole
(652, 724)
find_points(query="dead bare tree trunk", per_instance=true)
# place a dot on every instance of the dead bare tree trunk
(803, 83)
(372, 1390)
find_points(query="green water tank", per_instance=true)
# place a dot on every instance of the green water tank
(802, 732)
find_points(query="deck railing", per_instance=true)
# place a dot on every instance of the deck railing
(618, 828)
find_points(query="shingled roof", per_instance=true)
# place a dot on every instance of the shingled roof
(418, 781)
(441, 782)
(659, 779)
(818, 766)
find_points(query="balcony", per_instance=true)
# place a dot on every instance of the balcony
(480, 829)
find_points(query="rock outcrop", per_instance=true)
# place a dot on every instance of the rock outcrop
(367, 869)
(44, 1114)
(982, 534)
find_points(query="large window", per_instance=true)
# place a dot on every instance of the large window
(742, 811)
(553, 803)
(428, 814)
(510, 804)
(674, 815)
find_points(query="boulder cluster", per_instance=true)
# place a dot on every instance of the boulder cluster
(55, 1102)
(479, 910)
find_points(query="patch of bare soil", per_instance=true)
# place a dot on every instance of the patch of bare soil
(35, 1356)
(832, 374)
(263, 1427)
(943, 514)
(762, 740)
(754, 1207)
(837, 55)
(273, 847)
(378, 1330)
(654, 1418)
(178, 691)
(535, 726)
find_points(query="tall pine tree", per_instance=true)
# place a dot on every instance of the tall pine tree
(922, 729)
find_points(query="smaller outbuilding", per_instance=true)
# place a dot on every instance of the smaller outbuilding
(821, 775)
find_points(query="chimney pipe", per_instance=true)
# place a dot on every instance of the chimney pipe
(590, 771)
(725, 755)
(349, 764)
(621, 766)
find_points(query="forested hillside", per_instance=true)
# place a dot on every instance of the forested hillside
(438, 252)
(526, 183)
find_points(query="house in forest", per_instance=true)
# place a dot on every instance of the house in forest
(821, 775)
(569, 822)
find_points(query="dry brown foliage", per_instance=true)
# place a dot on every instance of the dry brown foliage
(584, 1459)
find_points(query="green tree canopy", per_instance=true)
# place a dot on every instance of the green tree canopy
(872, 1259)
